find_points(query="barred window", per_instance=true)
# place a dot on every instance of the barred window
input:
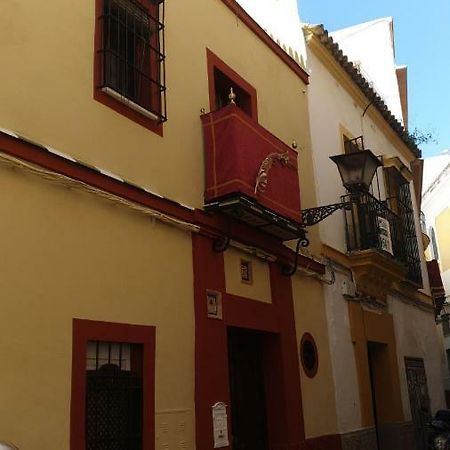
(113, 386)
(132, 55)
(114, 396)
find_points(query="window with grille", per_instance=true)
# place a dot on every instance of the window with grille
(399, 201)
(131, 52)
(113, 396)
(113, 386)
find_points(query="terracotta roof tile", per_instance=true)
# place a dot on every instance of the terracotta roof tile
(322, 34)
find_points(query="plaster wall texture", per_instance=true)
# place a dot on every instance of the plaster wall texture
(443, 238)
(446, 281)
(435, 201)
(436, 207)
(259, 289)
(446, 345)
(343, 357)
(318, 393)
(280, 18)
(417, 337)
(74, 255)
(48, 96)
(436, 186)
(336, 109)
(333, 112)
(372, 45)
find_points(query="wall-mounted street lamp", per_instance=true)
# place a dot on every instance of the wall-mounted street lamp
(357, 170)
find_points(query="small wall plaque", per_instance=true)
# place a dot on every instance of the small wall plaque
(214, 304)
(246, 271)
(384, 235)
(220, 425)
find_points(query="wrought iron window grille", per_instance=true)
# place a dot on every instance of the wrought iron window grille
(133, 54)
(399, 201)
(114, 396)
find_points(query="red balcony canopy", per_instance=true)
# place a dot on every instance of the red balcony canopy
(242, 157)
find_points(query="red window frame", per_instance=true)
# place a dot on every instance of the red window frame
(108, 100)
(215, 64)
(90, 330)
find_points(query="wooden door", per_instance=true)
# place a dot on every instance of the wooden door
(247, 389)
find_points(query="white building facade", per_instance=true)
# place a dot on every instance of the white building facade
(387, 372)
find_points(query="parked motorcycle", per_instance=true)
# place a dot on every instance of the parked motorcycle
(439, 431)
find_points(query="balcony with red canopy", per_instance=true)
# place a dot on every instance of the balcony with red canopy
(250, 174)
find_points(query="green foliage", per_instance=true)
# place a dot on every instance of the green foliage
(421, 137)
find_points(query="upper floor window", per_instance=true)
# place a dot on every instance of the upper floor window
(130, 55)
(222, 79)
(353, 145)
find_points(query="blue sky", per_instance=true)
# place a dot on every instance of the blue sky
(421, 42)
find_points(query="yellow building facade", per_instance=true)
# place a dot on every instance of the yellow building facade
(118, 288)
(155, 159)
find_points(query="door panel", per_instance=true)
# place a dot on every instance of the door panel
(418, 399)
(247, 389)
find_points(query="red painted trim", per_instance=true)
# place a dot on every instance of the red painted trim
(285, 417)
(38, 155)
(106, 99)
(247, 313)
(288, 369)
(211, 364)
(328, 442)
(250, 22)
(212, 226)
(214, 62)
(311, 373)
(86, 330)
(249, 236)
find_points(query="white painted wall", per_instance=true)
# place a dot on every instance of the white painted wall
(331, 106)
(348, 405)
(436, 196)
(280, 19)
(333, 110)
(372, 44)
(417, 337)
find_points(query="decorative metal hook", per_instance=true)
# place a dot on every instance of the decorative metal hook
(287, 270)
(220, 244)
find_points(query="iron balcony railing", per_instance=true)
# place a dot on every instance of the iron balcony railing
(370, 224)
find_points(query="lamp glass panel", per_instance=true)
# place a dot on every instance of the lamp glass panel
(357, 169)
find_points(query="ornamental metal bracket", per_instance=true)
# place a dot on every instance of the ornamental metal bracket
(220, 244)
(289, 270)
(311, 216)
